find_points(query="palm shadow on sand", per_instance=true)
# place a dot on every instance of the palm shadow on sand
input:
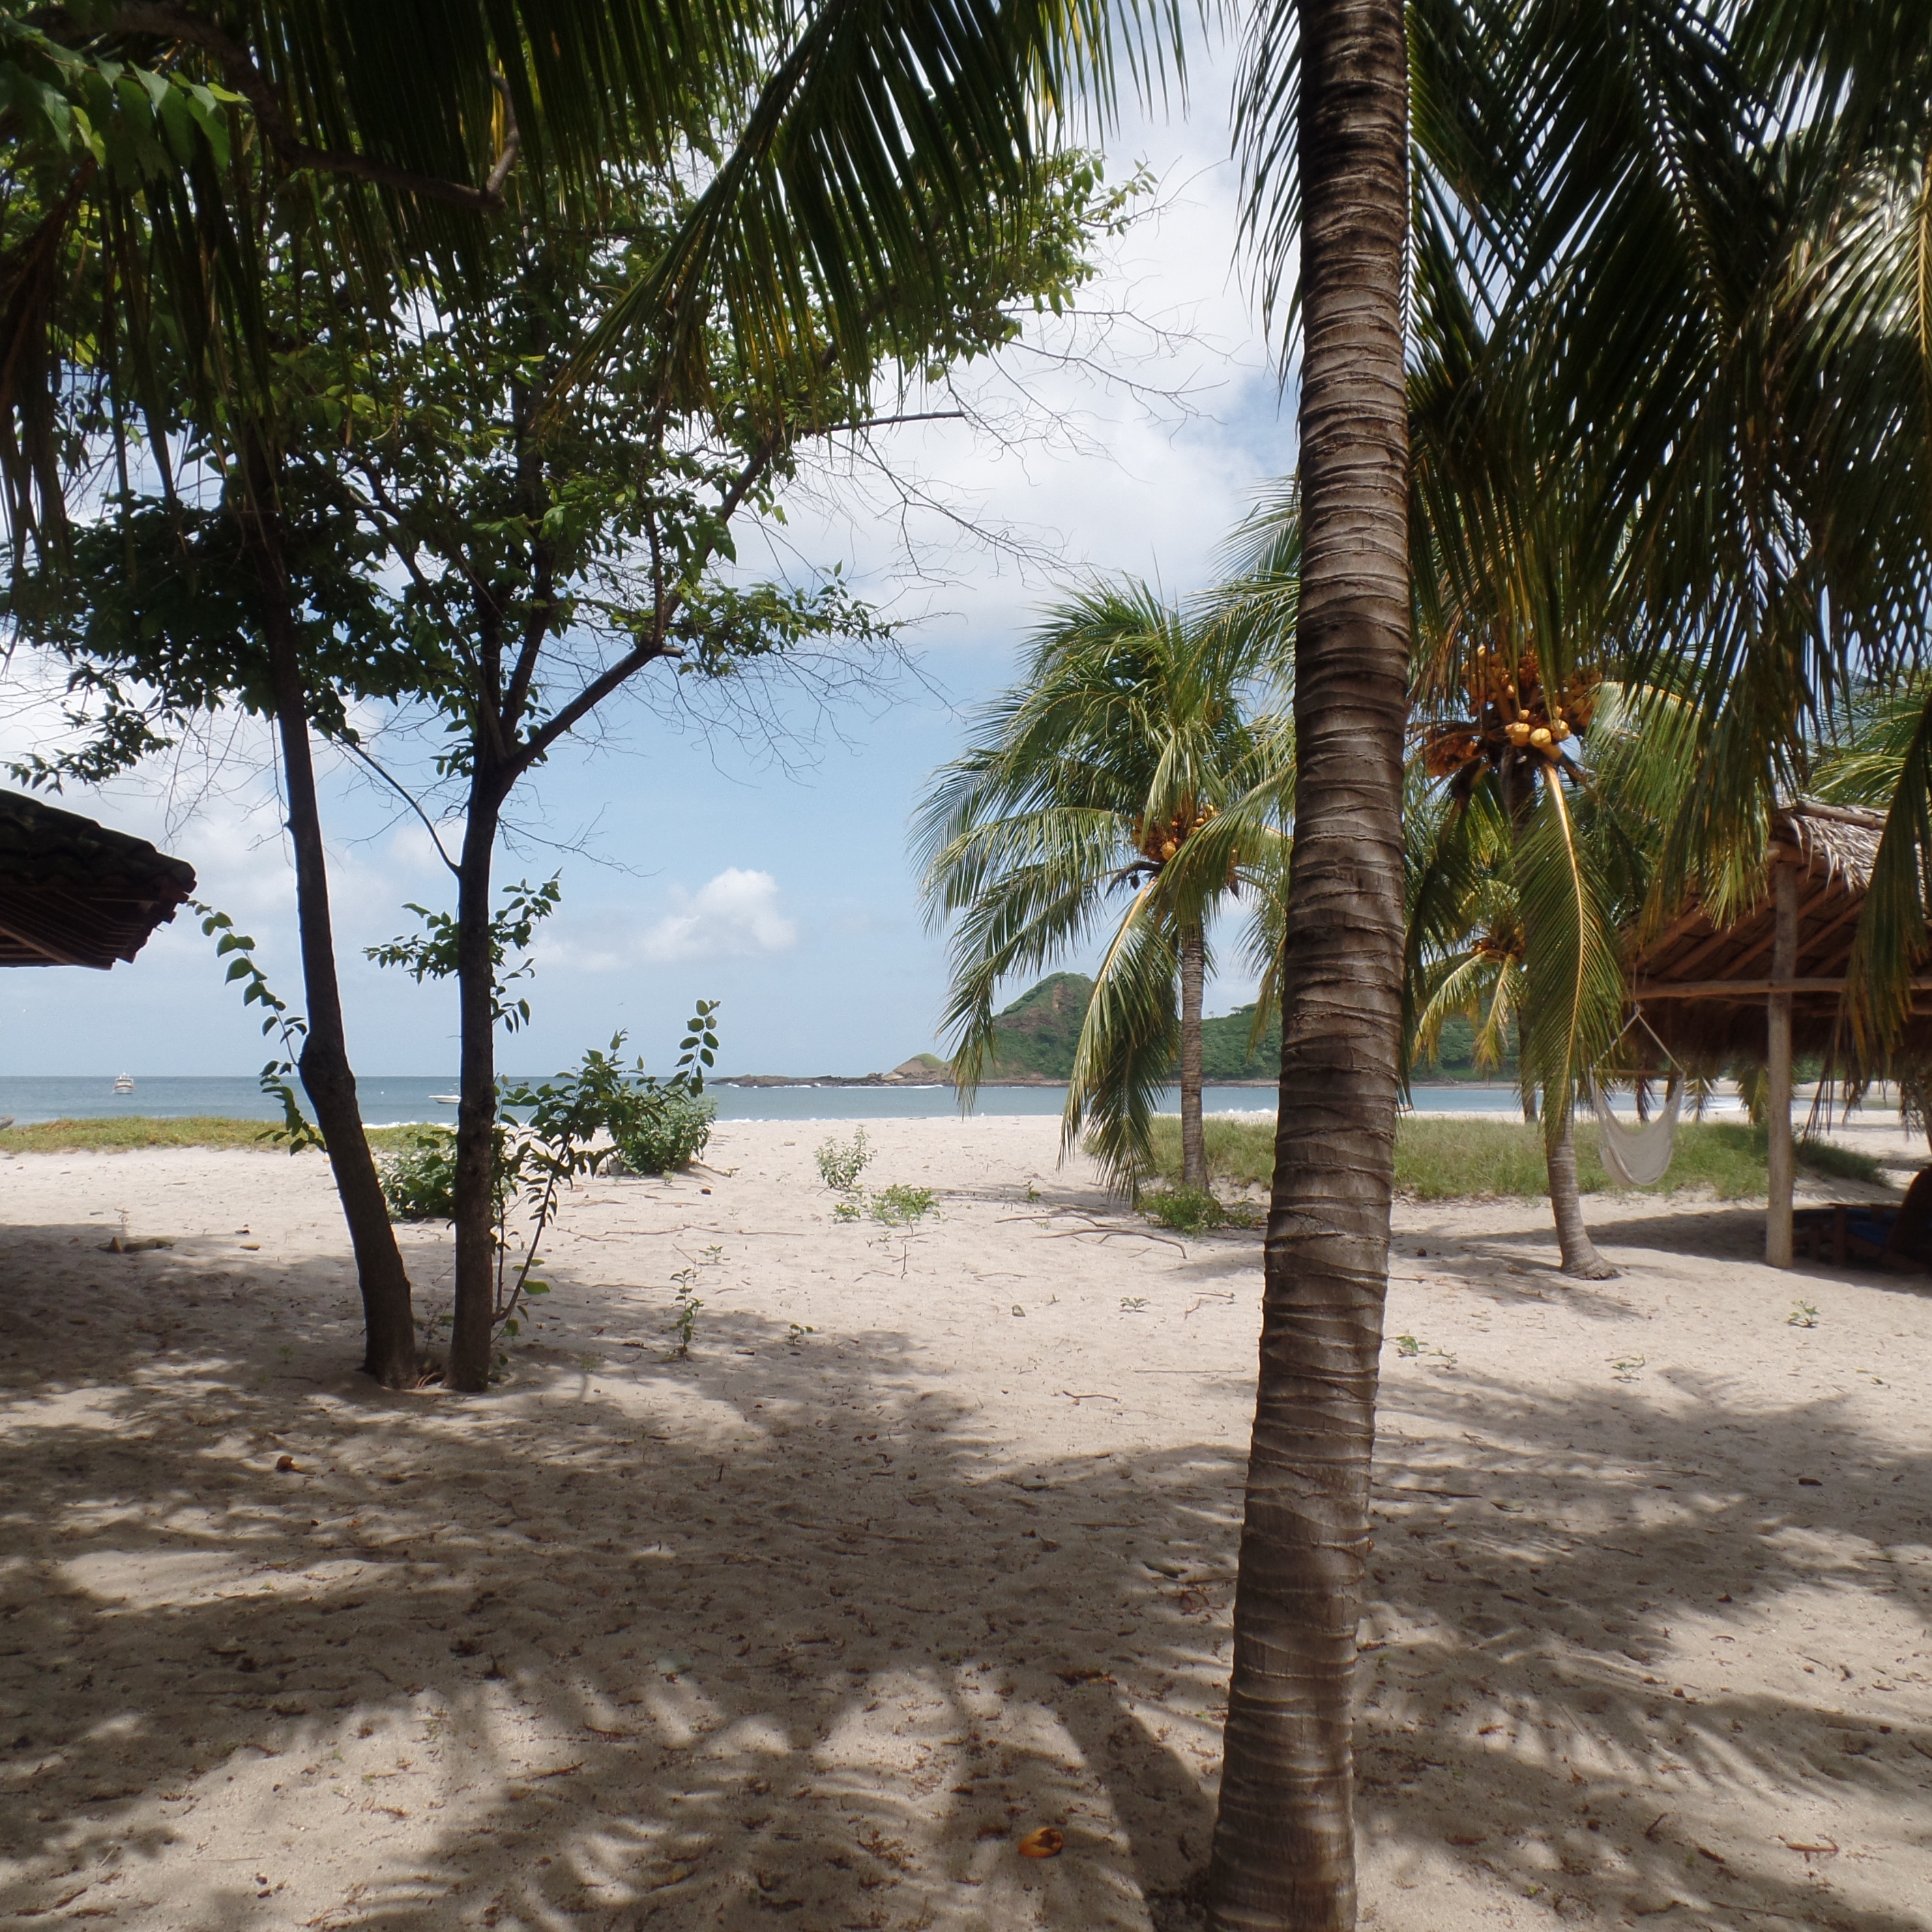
(753, 1666)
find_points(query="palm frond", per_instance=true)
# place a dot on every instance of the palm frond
(1573, 972)
(1891, 938)
(1127, 1045)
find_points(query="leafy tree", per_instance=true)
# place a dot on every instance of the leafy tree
(558, 538)
(851, 154)
(1120, 746)
(327, 334)
(168, 609)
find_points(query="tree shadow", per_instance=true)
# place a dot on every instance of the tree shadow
(1560, 1603)
(787, 1629)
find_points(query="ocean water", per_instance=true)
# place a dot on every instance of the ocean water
(389, 1102)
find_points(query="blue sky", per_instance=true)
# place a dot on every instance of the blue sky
(1132, 441)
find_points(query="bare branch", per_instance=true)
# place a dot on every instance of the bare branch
(355, 750)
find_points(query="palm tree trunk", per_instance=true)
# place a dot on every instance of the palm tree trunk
(389, 1336)
(1284, 1849)
(1579, 1253)
(1193, 1134)
(472, 1321)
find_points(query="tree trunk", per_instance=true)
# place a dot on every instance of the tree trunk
(1284, 1850)
(1779, 1163)
(390, 1353)
(1193, 1134)
(1579, 1253)
(472, 1325)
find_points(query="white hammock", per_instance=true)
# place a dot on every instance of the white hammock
(1638, 1157)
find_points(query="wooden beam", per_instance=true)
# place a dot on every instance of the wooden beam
(1686, 921)
(1743, 940)
(1847, 914)
(1749, 989)
(1778, 1150)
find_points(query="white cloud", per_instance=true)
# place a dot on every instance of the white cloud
(733, 915)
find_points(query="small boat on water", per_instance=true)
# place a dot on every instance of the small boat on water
(447, 1100)
(124, 1084)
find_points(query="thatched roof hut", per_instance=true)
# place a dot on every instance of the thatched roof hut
(1705, 988)
(1772, 983)
(73, 893)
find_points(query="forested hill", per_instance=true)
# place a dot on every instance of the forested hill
(1224, 1048)
(1037, 1035)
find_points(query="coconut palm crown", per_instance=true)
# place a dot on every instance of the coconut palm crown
(1091, 799)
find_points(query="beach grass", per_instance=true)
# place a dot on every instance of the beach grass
(120, 1133)
(1447, 1159)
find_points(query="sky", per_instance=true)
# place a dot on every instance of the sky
(707, 864)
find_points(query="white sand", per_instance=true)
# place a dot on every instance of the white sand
(808, 1630)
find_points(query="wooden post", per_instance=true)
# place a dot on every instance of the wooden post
(1777, 1063)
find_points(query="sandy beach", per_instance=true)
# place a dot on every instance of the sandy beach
(931, 1541)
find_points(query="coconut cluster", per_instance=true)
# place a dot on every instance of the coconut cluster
(1158, 840)
(1514, 710)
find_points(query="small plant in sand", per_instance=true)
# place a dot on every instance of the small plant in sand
(1188, 1211)
(1803, 1316)
(901, 1206)
(1412, 1349)
(841, 1163)
(684, 1324)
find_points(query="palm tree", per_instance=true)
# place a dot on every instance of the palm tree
(1530, 856)
(1551, 136)
(1101, 776)
(1740, 354)
(1326, 103)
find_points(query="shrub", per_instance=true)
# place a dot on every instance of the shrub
(901, 1206)
(419, 1182)
(1187, 1210)
(841, 1163)
(658, 1129)
(1843, 1163)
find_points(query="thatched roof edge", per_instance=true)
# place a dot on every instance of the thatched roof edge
(1845, 837)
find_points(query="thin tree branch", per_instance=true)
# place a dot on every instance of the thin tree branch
(586, 701)
(889, 422)
(513, 139)
(355, 750)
